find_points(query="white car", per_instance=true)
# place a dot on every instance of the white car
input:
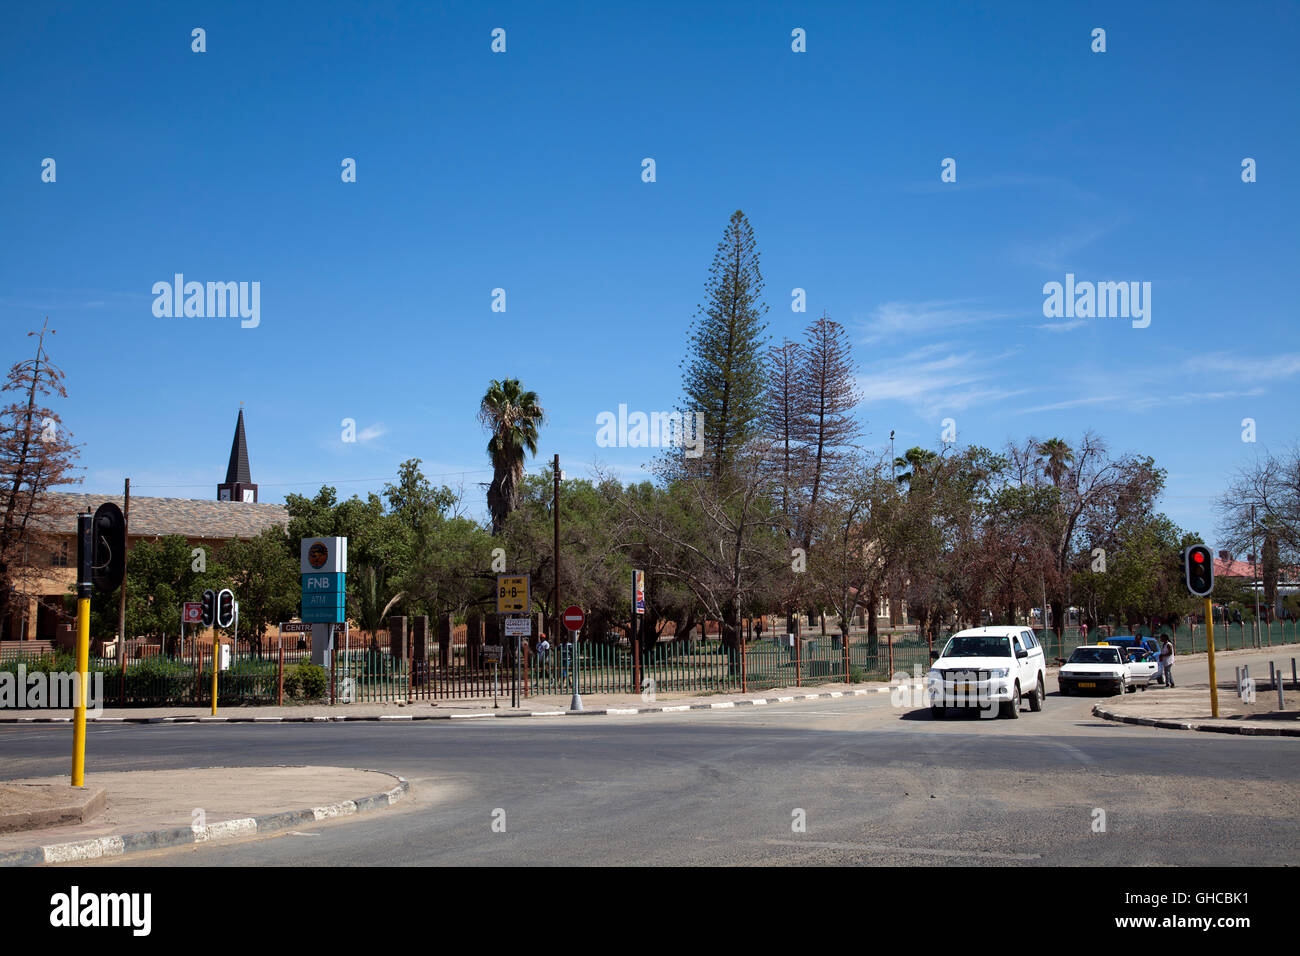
(1103, 667)
(986, 667)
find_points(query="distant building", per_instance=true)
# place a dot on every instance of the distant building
(236, 515)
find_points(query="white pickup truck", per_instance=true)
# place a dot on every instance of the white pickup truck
(1100, 667)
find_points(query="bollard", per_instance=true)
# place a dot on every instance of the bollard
(1238, 682)
(1294, 683)
(1272, 674)
(1281, 701)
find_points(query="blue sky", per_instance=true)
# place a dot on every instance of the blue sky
(522, 171)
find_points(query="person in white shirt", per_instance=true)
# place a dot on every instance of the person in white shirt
(1167, 661)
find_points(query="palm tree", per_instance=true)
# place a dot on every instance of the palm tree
(1057, 457)
(914, 459)
(512, 416)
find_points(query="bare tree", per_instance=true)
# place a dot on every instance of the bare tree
(36, 454)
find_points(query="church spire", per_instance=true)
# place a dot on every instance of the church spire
(238, 485)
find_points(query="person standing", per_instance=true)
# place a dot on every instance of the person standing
(1167, 661)
(1083, 632)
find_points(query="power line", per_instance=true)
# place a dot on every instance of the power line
(331, 481)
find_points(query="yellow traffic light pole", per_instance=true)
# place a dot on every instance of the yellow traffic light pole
(216, 647)
(83, 679)
(1209, 647)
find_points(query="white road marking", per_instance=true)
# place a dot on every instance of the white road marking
(906, 850)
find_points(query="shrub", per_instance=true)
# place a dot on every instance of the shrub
(855, 675)
(292, 683)
(312, 681)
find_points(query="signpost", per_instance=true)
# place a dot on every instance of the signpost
(492, 653)
(513, 594)
(573, 619)
(191, 613)
(324, 567)
(638, 608)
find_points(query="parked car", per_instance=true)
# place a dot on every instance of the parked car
(984, 666)
(1130, 642)
(1099, 667)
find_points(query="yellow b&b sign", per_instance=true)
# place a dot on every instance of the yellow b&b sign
(512, 594)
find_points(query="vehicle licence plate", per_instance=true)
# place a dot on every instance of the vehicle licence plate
(967, 687)
(1086, 683)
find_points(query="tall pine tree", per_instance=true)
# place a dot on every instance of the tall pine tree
(827, 426)
(723, 372)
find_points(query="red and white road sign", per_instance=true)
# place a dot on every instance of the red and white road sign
(573, 617)
(192, 612)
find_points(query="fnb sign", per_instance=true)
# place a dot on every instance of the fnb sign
(322, 583)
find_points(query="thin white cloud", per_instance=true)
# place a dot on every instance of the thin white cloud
(370, 433)
(1062, 326)
(899, 319)
(943, 385)
(1284, 365)
(1142, 402)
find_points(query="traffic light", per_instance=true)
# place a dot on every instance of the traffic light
(110, 548)
(85, 555)
(1198, 565)
(209, 607)
(225, 607)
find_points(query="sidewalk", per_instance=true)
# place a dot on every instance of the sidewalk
(150, 809)
(552, 705)
(1187, 706)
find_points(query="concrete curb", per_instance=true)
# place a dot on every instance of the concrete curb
(182, 836)
(598, 712)
(1099, 711)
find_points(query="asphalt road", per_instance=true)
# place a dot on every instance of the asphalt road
(872, 783)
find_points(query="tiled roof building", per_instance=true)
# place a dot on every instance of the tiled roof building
(237, 515)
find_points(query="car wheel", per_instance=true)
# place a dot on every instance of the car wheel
(937, 713)
(1036, 699)
(1011, 709)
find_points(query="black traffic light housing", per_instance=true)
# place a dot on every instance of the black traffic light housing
(85, 554)
(225, 607)
(1198, 569)
(110, 548)
(209, 607)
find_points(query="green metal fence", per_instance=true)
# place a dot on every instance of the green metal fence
(698, 667)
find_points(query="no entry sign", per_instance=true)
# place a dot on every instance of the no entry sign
(573, 617)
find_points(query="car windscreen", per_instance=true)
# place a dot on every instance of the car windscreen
(979, 645)
(1094, 655)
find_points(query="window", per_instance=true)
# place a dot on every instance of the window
(1030, 641)
(59, 556)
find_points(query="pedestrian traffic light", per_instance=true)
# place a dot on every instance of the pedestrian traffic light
(225, 607)
(209, 607)
(1198, 565)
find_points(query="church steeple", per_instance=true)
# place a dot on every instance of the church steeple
(238, 485)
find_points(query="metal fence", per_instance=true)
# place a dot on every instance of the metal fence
(374, 674)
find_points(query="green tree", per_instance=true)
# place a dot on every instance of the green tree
(265, 578)
(722, 374)
(512, 416)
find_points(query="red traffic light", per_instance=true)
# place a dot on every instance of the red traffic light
(1198, 557)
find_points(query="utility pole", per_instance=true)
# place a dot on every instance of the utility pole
(1254, 541)
(555, 511)
(121, 608)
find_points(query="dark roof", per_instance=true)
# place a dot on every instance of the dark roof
(237, 470)
(191, 517)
